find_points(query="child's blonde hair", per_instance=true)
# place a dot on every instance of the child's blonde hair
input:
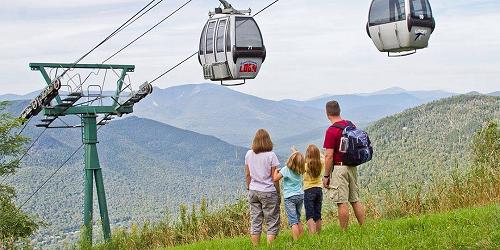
(313, 160)
(297, 163)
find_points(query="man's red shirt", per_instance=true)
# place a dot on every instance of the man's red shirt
(332, 140)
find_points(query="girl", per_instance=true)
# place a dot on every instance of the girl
(313, 193)
(263, 197)
(292, 190)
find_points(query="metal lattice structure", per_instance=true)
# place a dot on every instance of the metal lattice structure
(89, 106)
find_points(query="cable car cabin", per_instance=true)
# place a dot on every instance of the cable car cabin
(231, 46)
(400, 27)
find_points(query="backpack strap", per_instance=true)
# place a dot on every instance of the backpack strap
(339, 126)
(349, 124)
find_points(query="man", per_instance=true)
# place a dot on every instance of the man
(343, 180)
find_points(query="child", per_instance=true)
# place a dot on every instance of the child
(292, 190)
(263, 197)
(313, 192)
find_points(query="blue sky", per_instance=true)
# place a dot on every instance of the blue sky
(314, 48)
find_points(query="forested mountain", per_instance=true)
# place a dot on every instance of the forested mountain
(426, 143)
(149, 168)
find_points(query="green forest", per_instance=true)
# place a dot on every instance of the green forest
(426, 144)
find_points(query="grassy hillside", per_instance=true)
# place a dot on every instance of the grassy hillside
(427, 143)
(474, 228)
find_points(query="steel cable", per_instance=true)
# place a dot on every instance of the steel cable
(147, 31)
(119, 29)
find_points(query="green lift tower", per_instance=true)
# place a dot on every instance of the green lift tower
(93, 112)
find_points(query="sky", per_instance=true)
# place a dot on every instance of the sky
(314, 47)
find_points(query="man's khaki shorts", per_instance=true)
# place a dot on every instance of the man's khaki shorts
(344, 184)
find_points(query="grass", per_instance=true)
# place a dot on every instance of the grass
(472, 228)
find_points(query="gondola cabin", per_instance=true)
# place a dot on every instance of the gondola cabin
(231, 46)
(400, 27)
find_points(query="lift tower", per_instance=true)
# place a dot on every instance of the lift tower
(94, 108)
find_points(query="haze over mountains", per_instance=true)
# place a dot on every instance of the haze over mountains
(234, 116)
(225, 113)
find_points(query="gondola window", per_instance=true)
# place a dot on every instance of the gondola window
(247, 33)
(386, 11)
(210, 38)
(220, 35)
(421, 9)
(202, 41)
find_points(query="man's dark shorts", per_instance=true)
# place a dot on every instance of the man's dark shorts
(313, 201)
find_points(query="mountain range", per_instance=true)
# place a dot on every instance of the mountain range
(150, 168)
(234, 116)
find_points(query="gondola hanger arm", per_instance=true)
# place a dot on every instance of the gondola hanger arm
(226, 4)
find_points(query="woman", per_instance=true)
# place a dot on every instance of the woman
(263, 196)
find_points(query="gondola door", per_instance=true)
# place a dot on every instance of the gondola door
(210, 49)
(221, 67)
(386, 22)
(389, 32)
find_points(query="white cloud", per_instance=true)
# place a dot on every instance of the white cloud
(313, 47)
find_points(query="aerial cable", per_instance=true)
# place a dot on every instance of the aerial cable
(119, 29)
(50, 177)
(24, 127)
(27, 150)
(265, 8)
(32, 144)
(191, 56)
(177, 65)
(149, 30)
(143, 13)
(57, 170)
(139, 37)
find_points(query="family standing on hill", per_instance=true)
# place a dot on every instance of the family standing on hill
(305, 178)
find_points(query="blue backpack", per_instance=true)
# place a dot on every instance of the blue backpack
(359, 149)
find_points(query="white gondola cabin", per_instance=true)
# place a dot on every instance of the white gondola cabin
(231, 46)
(400, 27)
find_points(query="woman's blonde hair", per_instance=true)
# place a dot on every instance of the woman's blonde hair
(313, 161)
(296, 163)
(262, 142)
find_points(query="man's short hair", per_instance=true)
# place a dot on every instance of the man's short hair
(333, 108)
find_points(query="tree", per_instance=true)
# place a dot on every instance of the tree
(15, 225)
(486, 146)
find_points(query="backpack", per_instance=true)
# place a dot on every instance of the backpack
(359, 149)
